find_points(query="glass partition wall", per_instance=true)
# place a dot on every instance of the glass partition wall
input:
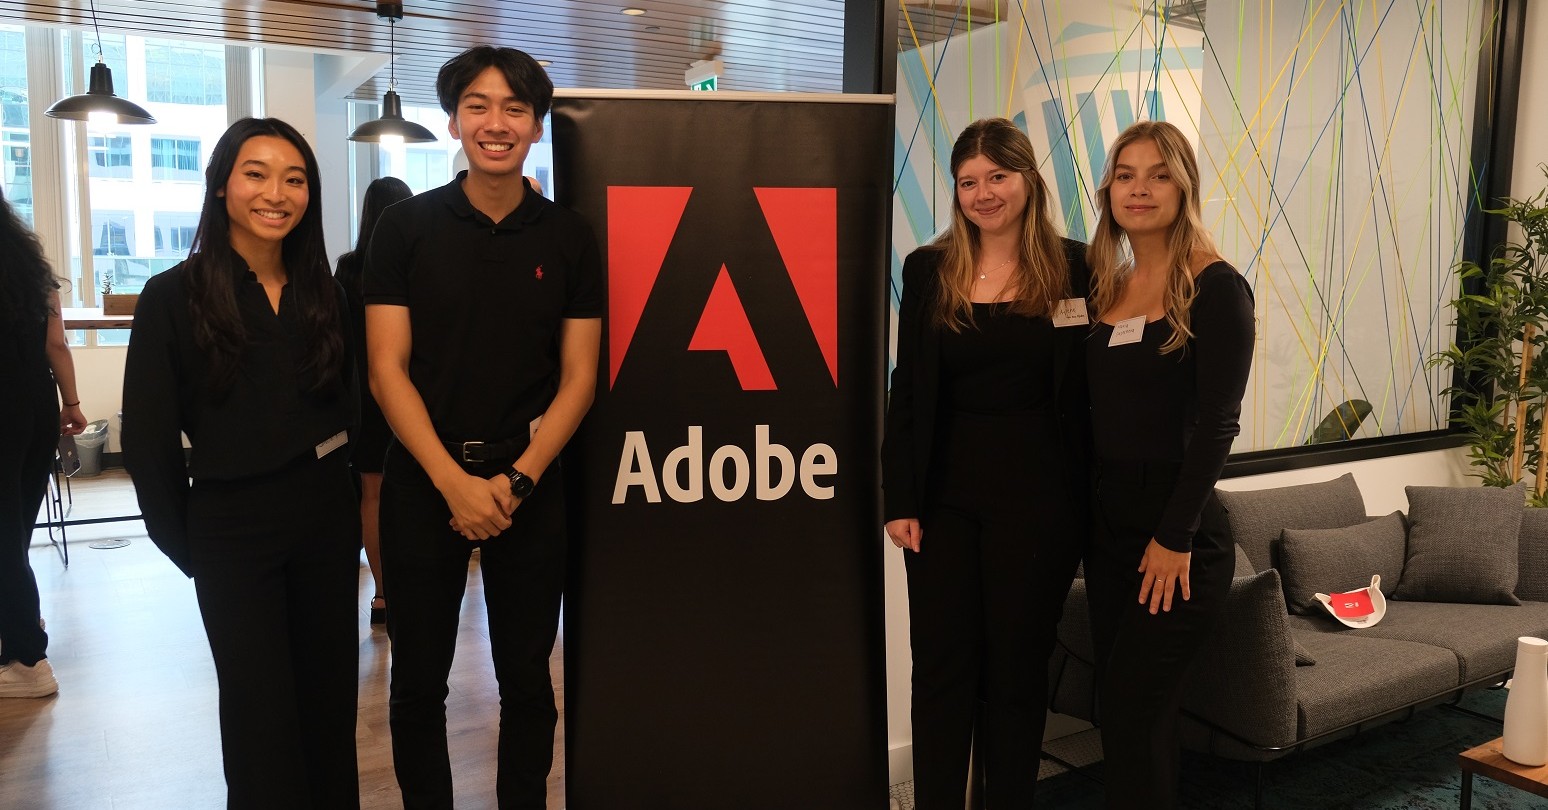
(1334, 141)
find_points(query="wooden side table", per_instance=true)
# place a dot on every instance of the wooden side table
(1489, 760)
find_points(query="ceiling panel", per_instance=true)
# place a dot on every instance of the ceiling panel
(766, 45)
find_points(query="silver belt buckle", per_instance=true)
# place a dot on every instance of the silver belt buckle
(465, 447)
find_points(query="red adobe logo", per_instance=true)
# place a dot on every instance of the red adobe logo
(642, 220)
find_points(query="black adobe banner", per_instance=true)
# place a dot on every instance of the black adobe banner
(723, 621)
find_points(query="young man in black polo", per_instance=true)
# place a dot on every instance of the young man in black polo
(483, 323)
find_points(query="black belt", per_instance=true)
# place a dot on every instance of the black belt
(476, 452)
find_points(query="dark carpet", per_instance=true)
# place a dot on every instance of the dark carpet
(1409, 765)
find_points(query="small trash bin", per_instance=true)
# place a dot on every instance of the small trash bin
(89, 444)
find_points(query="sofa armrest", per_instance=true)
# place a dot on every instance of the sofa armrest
(1243, 681)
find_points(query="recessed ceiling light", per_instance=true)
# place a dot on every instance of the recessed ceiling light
(634, 12)
(544, 62)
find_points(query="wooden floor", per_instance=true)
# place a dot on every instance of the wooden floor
(134, 724)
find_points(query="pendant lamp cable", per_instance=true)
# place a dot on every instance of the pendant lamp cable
(98, 29)
(392, 53)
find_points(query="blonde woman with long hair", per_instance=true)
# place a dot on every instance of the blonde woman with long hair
(983, 466)
(1167, 363)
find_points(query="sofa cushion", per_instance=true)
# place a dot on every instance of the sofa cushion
(1462, 545)
(1242, 679)
(1258, 517)
(1532, 574)
(1482, 637)
(1313, 561)
(1359, 677)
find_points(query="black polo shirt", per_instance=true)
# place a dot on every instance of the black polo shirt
(485, 302)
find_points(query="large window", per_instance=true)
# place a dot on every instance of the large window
(144, 189)
(175, 159)
(124, 204)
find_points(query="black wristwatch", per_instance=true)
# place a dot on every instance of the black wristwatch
(521, 484)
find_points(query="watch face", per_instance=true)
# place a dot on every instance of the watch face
(521, 485)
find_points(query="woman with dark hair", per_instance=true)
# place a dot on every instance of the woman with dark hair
(34, 363)
(983, 467)
(369, 444)
(1167, 362)
(244, 348)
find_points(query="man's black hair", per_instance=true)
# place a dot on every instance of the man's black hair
(529, 83)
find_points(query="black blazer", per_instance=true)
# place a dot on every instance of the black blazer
(910, 425)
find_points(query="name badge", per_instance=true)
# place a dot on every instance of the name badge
(1128, 331)
(532, 427)
(333, 443)
(1071, 312)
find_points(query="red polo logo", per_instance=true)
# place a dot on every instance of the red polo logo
(642, 221)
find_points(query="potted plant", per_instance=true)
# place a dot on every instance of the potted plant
(116, 303)
(1501, 309)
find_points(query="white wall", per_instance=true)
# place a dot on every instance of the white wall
(99, 378)
(1381, 480)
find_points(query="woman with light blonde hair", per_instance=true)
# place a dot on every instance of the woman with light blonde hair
(983, 466)
(1167, 364)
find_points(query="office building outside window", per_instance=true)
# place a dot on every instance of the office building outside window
(176, 159)
(110, 156)
(15, 137)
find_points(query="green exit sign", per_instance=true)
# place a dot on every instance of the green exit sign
(711, 83)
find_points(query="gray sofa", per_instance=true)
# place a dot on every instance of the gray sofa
(1271, 682)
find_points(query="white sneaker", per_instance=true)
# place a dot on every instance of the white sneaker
(17, 680)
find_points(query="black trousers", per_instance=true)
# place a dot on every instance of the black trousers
(275, 561)
(29, 432)
(1002, 535)
(425, 568)
(1143, 660)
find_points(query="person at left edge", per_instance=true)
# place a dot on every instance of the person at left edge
(34, 363)
(983, 467)
(245, 349)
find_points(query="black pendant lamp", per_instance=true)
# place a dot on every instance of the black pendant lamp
(392, 126)
(98, 102)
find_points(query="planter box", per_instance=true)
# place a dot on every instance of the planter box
(119, 303)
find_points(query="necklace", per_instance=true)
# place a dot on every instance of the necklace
(983, 274)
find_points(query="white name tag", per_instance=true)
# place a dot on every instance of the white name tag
(1071, 312)
(532, 427)
(1128, 331)
(333, 443)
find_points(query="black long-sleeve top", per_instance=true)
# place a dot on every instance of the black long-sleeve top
(915, 395)
(1184, 406)
(373, 422)
(267, 419)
